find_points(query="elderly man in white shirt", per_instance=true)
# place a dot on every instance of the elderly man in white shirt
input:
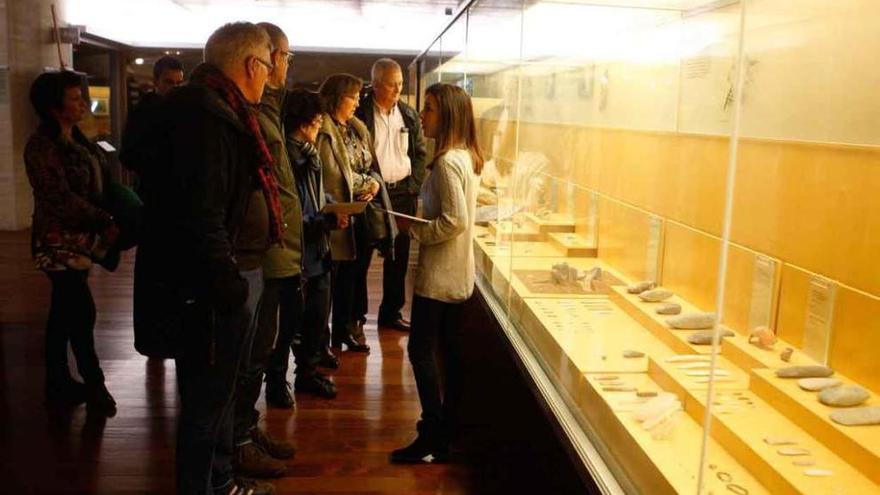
(400, 151)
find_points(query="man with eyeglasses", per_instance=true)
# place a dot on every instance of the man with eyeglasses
(256, 454)
(400, 150)
(213, 213)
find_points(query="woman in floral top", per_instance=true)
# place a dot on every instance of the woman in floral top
(70, 229)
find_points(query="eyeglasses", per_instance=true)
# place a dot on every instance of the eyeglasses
(289, 57)
(268, 65)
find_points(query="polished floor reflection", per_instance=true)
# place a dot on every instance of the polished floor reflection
(342, 444)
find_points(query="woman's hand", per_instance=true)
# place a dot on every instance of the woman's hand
(342, 221)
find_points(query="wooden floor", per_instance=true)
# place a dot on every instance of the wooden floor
(343, 444)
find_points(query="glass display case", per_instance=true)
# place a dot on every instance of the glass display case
(679, 223)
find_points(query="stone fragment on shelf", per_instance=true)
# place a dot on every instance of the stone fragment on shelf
(692, 321)
(658, 414)
(779, 441)
(669, 309)
(818, 472)
(785, 355)
(633, 354)
(688, 358)
(762, 337)
(618, 389)
(859, 416)
(817, 384)
(717, 372)
(792, 451)
(843, 396)
(639, 287)
(563, 273)
(705, 337)
(807, 371)
(695, 366)
(655, 295)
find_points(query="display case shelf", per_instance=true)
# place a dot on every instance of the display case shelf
(858, 445)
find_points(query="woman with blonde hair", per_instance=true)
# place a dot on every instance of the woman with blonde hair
(445, 272)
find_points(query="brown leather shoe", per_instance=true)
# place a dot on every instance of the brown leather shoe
(278, 449)
(252, 461)
(399, 324)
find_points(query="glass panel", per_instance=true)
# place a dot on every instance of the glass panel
(803, 277)
(491, 65)
(685, 208)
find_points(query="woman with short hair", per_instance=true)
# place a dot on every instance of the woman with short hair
(444, 275)
(350, 174)
(70, 230)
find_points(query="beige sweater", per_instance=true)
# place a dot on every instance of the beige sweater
(445, 271)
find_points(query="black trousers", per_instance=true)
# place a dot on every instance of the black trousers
(436, 329)
(297, 331)
(71, 319)
(349, 286)
(316, 312)
(393, 270)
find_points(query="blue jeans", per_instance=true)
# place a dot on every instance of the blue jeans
(257, 348)
(210, 351)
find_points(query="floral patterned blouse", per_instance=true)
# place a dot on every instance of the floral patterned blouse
(67, 182)
(359, 157)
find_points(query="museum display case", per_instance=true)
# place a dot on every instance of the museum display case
(678, 230)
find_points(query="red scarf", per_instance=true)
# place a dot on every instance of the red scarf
(214, 79)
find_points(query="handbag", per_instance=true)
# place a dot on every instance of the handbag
(375, 227)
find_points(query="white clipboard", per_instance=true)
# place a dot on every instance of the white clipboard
(403, 215)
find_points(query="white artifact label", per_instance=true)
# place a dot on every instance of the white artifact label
(820, 314)
(652, 257)
(762, 291)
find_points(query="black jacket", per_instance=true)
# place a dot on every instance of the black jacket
(417, 150)
(196, 190)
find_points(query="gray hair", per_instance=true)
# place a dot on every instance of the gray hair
(381, 66)
(232, 43)
(276, 34)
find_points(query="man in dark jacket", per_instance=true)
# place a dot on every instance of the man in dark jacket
(167, 75)
(211, 214)
(400, 149)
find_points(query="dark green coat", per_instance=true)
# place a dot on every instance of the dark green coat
(286, 261)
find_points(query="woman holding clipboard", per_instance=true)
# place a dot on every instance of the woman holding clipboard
(444, 276)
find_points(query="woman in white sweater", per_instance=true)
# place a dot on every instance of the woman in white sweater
(444, 277)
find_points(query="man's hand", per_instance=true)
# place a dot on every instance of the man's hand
(342, 221)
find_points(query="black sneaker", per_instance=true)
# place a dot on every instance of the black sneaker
(316, 384)
(422, 451)
(278, 394)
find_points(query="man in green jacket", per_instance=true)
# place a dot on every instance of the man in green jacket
(256, 454)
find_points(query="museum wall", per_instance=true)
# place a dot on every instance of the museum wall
(26, 48)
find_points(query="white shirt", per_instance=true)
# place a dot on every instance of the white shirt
(392, 144)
